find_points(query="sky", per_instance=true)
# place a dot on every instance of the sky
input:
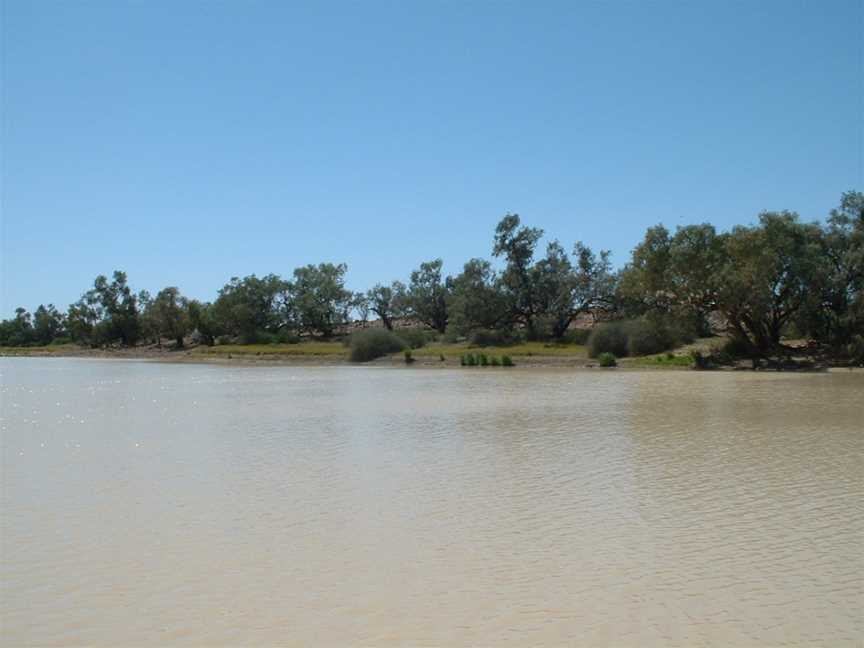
(187, 142)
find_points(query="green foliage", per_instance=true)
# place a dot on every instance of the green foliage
(700, 361)
(387, 302)
(647, 335)
(427, 296)
(763, 281)
(470, 360)
(168, 314)
(408, 357)
(250, 305)
(506, 361)
(372, 343)
(494, 361)
(576, 336)
(610, 337)
(484, 361)
(477, 300)
(855, 350)
(319, 298)
(497, 338)
(607, 359)
(463, 360)
(414, 338)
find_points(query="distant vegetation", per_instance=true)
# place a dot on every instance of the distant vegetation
(374, 343)
(759, 283)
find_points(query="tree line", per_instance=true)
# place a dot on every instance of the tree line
(758, 282)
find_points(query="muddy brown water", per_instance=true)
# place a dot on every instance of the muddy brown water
(146, 504)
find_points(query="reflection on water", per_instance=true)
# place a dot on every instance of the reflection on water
(148, 504)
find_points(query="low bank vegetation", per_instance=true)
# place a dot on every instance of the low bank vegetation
(374, 343)
(758, 284)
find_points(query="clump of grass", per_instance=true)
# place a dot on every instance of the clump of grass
(671, 360)
(607, 359)
(506, 361)
(408, 357)
(373, 343)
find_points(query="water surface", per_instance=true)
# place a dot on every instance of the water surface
(149, 504)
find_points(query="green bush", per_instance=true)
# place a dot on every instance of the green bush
(647, 337)
(608, 338)
(470, 360)
(735, 347)
(576, 336)
(484, 361)
(855, 350)
(607, 359)
(414, 338)
(494, 361)
(489, 337)
(408, 357)
(372, 343)
(462, 360)
(506, 361)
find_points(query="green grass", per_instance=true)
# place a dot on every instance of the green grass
(301, 349)
(662, 360)
(523, 349)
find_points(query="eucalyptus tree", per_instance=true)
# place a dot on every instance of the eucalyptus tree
(387, 302)
(169, 311)
(767, 276)
(427, 295)
(566, 290)
(519, 280)
(48, 324)
(477, 300)
(319, 298)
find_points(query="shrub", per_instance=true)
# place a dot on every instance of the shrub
(506, 361)
(494, 361)
(224, 339)
(607, 359)
(441, 357)
(470, 360)
(373, 343)
(414, 338)
(484, 361)
(608, 338)
(700, 361)
(646, 337)
(489, 337)
(462, 360)
(408, 357)
(735, 347)
(855, 350)
(576, 336)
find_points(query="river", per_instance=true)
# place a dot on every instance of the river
(155, 504)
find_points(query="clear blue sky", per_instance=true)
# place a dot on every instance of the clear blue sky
(186, 142)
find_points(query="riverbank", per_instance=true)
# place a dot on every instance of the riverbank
(317, 353)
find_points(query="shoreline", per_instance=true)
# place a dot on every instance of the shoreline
(423, 359)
